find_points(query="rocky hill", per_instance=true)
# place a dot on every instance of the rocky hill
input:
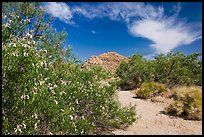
(109, 61)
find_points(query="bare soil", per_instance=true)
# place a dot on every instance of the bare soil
(152, 121)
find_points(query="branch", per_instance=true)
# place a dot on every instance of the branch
(36, 32)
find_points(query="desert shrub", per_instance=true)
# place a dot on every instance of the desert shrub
(176, 69)
(44, 89)
(187, 102)
(150, 89)
(133, 73)
(171, 69)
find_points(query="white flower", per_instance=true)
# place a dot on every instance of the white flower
(45, 63)
(61, 93)
(7, 25)
(15, 53)
(25, 54)
(56, 102)
(77, 102)
(42, 82)
(50, 133)
(9, 21)
(41, 63)
(33, 42)
(53, 92)
(62, 110)
(19, 127)
(71, 117)
(29, 35)
(24, 45)
(28, 20)
(24, 126)
(35, 126)
(29, 42)
(45, 51)
(55, 86)
(25, 97)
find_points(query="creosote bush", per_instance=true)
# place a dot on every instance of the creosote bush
(171, 69)
(150, 89)
(187, 102)
(44, 89)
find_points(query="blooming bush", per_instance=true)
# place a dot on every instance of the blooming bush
(44, 89)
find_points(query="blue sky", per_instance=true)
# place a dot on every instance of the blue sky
(128, 28)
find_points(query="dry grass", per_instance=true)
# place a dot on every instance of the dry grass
(150, 89)
(187, 102)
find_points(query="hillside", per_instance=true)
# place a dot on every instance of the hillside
(109, 61)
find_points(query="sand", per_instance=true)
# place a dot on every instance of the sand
(151, 120)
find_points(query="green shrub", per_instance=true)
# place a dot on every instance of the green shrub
(133, 73)
(188, 103)
(150, 89)
(44, 89)
(171, 69)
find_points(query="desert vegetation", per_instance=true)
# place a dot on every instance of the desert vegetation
(47, 90)
(44, 88)
(176, 73)
(187, 102)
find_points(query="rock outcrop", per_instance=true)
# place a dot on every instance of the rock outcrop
(109, 61)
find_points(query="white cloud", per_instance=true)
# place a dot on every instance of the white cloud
(147, 21)
(165, 34)
(142, 20)
(59, 10)
(93, 32)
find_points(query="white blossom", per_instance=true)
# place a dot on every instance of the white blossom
(25, 97)
(9, 21)
(19, 128)
(41, 63)
(56, 102)
(28, 20)
(24, 45)
(7, 25)
(24, 125)
(42, 82)
(25, 54)
(29, 35)
(61, 93)
(35, 126)
(71, 117)
(77, 102)
(55, 86)
(15, 53)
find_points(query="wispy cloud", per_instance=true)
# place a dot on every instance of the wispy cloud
(147, 21)
(59, 10)
(166, 34)
(142, 20)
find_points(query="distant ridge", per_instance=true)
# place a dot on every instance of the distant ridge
(109, 61)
